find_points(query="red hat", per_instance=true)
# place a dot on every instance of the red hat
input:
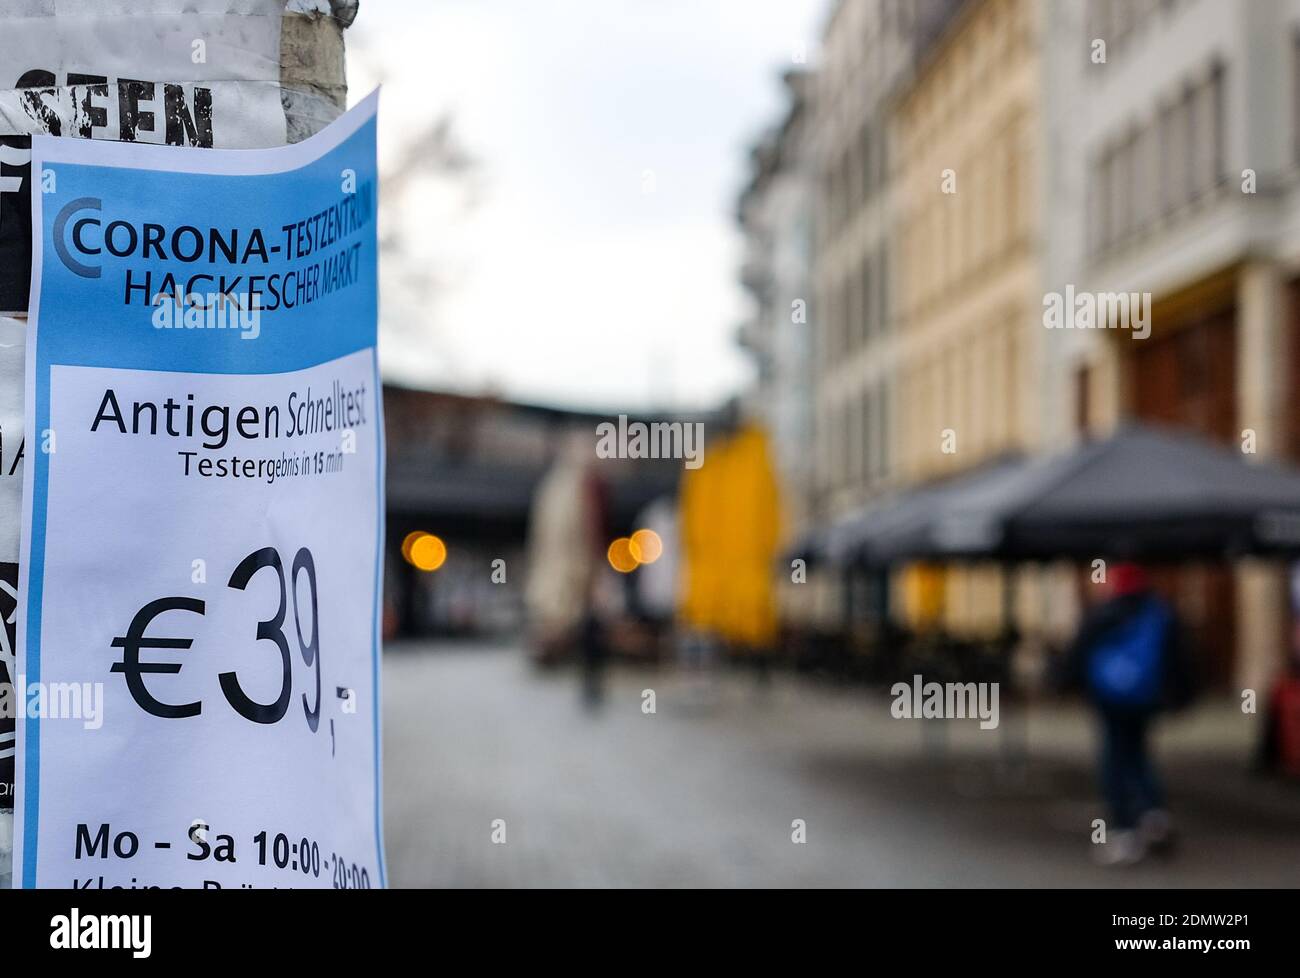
(1128, 578)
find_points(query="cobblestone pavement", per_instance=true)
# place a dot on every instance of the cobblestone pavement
(704, 791)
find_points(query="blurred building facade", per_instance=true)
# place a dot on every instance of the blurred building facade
(969, 343)
(1183, 123)
(869, 52)
(775, 215)
(871, 49)
(967, 222)
(968, 159)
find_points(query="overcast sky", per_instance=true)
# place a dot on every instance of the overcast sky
(595, 262)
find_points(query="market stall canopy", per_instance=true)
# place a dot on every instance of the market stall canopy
(833, 543)
(905, 523)
(1144, 492)
(854, 538)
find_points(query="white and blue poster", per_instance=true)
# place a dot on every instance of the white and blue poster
(199, 623)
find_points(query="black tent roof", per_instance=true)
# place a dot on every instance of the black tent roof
(1143, 492)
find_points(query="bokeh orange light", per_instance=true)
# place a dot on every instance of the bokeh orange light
(620, 556)
(646, 546)
(427, 552)
(408, 541)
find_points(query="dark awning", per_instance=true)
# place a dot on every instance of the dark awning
(1159, 493)
(808, 547)
(858, 537)
(1143, 492)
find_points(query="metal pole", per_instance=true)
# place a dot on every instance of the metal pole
(1014, 722)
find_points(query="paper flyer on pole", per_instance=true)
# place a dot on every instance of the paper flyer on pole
(199, 623)
(194, 73)
(13, 336)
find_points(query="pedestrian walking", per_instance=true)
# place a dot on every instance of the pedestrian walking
(1130, 658)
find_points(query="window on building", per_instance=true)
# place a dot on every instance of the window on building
(1121, 22)
(866, 323)
(846, 443)
(831, 307)
(1014, 188)
(1295, 93)
(829, 219)
(882, 425)
(1122, 175)
(1145, 176)
(857, 161)
(1001, 193)
(825, 448)
(884, 147)
(1092, 234)
(1165, 126)
(844, 327)
(865, 438)
(872, 448)
(1082, 399)
(866, 161)
(1176, 173)
(882, 291)
(833, 447)
(1201, 139)
(847, 190)
(1098, 21)
(1014, 389)
(952, 219)
(862, 290)
(1218, 123)
(1105, 198)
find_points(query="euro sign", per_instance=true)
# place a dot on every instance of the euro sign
(134, 640)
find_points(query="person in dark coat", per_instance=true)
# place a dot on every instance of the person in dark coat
(1130, 656)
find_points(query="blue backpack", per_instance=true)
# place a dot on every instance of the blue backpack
(1126, 667)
